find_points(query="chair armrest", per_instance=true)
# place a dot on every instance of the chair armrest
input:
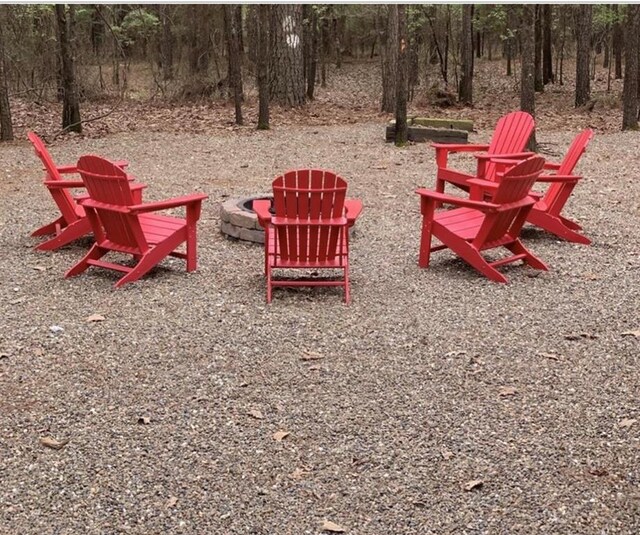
(558, 178)
(443, 150)
(169, 203)
(352, 208)
(551, 165)
(122, 164)
(261, 208)
(60, 184)
(66, 169)
(458, 201)
(90, 203)
(137, 186)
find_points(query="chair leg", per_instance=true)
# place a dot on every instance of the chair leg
(95, 253)
(570, 224)
(50, 228)
(192, 249)
(269, 289)
(425, 242)
(517, 247)
(347, 292)
(149, 260)
(475, 259)
(73, 232)
(557, 226)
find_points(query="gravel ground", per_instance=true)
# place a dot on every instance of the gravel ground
(430, 380)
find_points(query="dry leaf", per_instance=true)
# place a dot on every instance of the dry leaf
(551, 356)
(635, 333)
(627, 422)
(38, 268)
(256, 414)
(446, 454)
(473, 484)
(52, 443)
(311, 355)
(598, 472)
(298, 473)
(144, 420)
(95, 317)
(171, 502)
(280, 435)
(507, 391)
(327, 525)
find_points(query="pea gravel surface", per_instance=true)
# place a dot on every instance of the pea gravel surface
(437, 402)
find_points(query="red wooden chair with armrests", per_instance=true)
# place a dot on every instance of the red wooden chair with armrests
(72, 223)
(509, 140)
(309, 228)
(477, 225)
(123, 225)
(546, 213)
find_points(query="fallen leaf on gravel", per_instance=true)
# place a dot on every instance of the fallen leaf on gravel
(591, 277)
(144, 420)
(635, 333)
(280, 435)
(38, 268)
(56, 329)
(171, 502)
(50, 442)
(298, 473)
(256, 414)
(327, 525)
(379, 167)
(446, 454)
(507, 391)
(95, 317)
(455, 353)
(551, 356)
(598, 472)
(627, 422)
(473, 484)
(589, 336)
(311, 355)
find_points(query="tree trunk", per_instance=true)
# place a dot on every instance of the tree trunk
(199, 49)
(70, 104)
(510, 41)
(324, 50)
(166, 44)
(262, 67)
(465, 91)
(6, 126)
(389, 58)
(617, 43)
(583, 49)
(235, 60)
(630, 89)
(402, 47)
(547, 56)
(538, 78)
(286, 76)
(527, 75)
(313, 54)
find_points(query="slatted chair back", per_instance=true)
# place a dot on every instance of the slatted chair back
(557, 194)
(510, 136)
(308, 198)
(109, 187)
(61, 196)
(513, 197)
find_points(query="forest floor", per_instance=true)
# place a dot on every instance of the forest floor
(437, 402)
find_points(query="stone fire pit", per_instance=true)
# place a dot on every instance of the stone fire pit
(239, 221)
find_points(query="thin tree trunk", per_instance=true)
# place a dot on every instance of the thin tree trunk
(538, 78)
(324, 50)
(527, 74)
(235, 60)
(313, 54)
(6, 126)
(70, 103)
(262, 67)
(166, 44)
(547, 56)
(402, 76)
(617, 43)
(583, 50)
(465, 91)
(630, 89)
(389, 58)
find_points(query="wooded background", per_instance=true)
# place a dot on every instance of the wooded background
(79, 54)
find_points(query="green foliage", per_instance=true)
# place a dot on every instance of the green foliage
(137, 25)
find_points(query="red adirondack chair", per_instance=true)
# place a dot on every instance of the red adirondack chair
(309, 227)
(509, 140)
(546, 212)
(123, 225)
(476, 225)
(72, 223)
